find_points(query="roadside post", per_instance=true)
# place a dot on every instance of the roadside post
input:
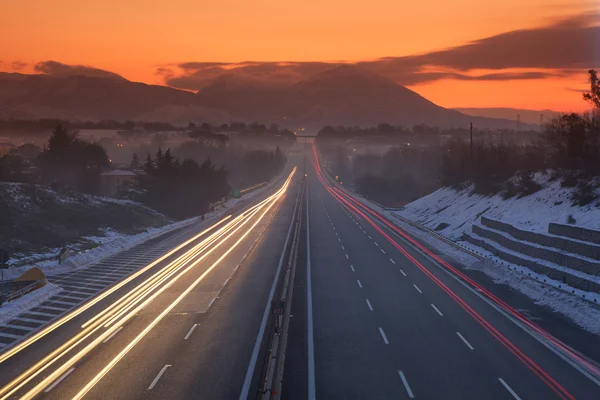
(4, 257)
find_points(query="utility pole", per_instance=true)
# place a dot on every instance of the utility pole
(471, 145)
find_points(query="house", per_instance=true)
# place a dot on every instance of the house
(111, 182)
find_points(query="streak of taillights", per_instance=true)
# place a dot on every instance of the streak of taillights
(502, 304)
(343, 199)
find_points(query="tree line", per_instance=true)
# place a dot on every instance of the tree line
(177, 187)
(568, 146)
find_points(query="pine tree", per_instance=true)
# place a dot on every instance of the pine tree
(135, 162)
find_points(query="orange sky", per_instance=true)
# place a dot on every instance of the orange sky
(134, 37)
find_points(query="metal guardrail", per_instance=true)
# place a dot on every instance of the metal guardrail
(281, 311)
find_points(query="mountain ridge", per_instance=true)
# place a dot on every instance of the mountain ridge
(343, 95)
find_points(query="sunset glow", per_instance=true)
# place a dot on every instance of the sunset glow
(135, 38)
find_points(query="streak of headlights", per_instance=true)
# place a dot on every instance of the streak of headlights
(124, 306)
(122, 354)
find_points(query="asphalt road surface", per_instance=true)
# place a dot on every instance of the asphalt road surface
(183, 328)
(388, 321)
(375, 315)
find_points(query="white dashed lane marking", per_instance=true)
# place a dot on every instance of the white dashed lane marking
(437, 310)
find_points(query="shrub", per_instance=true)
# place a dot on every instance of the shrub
(510, 190)
(569, 180)
(584, 194)
(526, 185)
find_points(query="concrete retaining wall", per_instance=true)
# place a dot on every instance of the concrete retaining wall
(587, 235)
(574, 281)
(583, 249)
(548, 254)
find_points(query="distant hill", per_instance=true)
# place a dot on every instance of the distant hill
(94, 98)
(344, 95)
(527, 116)
(349, 95)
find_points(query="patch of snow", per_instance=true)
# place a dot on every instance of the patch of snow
(546, 263)
(113, 243)
(461, 209)
(582, 312)
(24, 303)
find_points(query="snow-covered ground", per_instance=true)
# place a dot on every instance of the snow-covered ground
(461, 209)
(112, 243)
(10, 310)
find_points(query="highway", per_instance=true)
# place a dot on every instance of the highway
(176, 328)
(375, 314)
(391, 319)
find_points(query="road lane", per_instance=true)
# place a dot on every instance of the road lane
(212, 284)
(461, 348)
(211, 362)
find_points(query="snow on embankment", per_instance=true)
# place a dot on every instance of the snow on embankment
(37, 219)
(452, 212)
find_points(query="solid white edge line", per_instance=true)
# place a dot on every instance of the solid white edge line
(385, 340)
(309, 308)
(261, 331)
(359, 284)
(465, 341)
(59, 380)
(416, 287)
(406, 385)
(509, 389)
(112, 334)
(190, 331)
(369, 304)
(160, 374)
(437, 310)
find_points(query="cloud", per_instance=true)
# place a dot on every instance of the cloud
(563, 47)
(56, 68)
(565, 44)
(195, 75)
(18, 65)
(165, 72)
